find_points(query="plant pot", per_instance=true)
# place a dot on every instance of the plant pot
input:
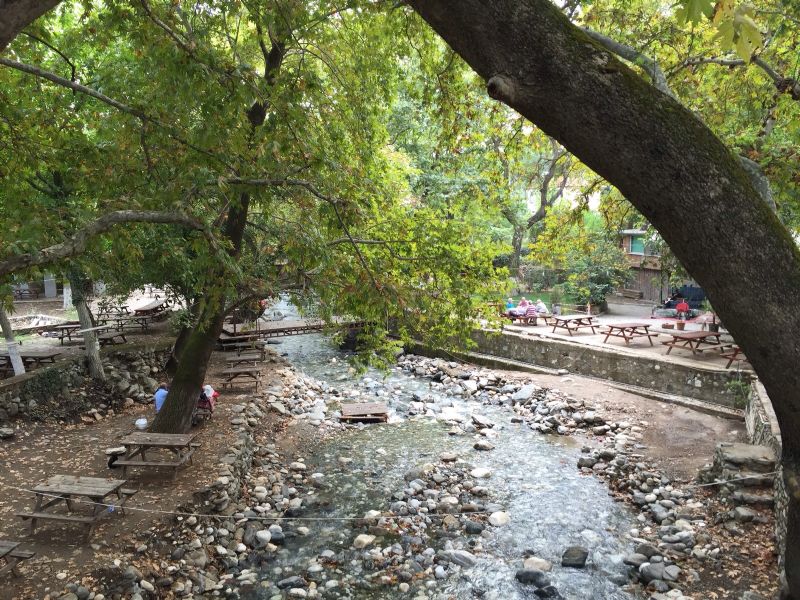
(680, 325)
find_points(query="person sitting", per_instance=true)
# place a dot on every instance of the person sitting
(521, 308)
(208, 398)
(541, 307)
(683, 309)
(160, 395)
(509, 304)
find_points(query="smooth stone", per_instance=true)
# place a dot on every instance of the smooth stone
(575, 556)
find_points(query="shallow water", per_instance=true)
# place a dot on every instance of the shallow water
(534, 478)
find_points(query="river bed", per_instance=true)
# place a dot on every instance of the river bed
(533, 478)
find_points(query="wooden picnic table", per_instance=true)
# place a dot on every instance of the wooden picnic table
(573, 322)
(66, 330)
(152, 308)
(693, 340)
(30, 357)
(121, 320)
(629, 331)
(732, 354)
(12, 556)
(244, 359)
(65, 488)
(232, 374)
(365, 412)
(138, 443)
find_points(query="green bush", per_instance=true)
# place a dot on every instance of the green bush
(594, 275)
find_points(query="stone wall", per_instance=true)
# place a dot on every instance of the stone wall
(643, 370)
(64, 390)
(762, 429)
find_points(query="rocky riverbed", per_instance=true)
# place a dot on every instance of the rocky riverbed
(482, 485)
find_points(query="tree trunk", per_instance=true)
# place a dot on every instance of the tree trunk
(175, 415)
(13, 348)
(183, 337)
(669, 165)
(78, 284)
(516, 250)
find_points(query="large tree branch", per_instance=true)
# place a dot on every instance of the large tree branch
(77, 243)
(16, 15)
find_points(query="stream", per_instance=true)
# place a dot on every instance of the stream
(533, 478)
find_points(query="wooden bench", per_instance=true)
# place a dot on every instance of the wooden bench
(110, 338)
(137, 445)
(253, 373)
(632, 294)
(732, 354)
(87, 521)
(26, 294)
(13, 556)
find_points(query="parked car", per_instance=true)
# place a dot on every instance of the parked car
(694, 296)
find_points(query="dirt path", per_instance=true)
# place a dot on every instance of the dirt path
(41, 450)
(677, 439)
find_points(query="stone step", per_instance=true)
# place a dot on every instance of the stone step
(740, 497)
(744, 457)
(752, 480)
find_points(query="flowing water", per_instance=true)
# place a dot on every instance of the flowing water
(534, 478)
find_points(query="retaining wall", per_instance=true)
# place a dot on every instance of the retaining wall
(60, 389)
(642, 370)
(762, 429)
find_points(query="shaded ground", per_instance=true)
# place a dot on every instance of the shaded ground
(42, 450)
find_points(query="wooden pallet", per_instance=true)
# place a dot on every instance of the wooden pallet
(365, 412)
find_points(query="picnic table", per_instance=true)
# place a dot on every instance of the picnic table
(138, 443)
(629, 331)
(25, 294)
(30, 358)
(152, 308)
(732, 354)
(66, 488)
(12, 556)
(696, 341)
(244, 359)
(573, 322)
(66, 330)
(234, 373)
(120, 320)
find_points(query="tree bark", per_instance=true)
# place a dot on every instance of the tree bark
(517, 237)
(669, 165)
(78, 284)
(175, 415)
(13, 349)
(16, 15)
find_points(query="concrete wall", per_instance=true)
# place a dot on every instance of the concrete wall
(762, 429)
(643, 370)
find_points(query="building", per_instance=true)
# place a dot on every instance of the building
(647, 277)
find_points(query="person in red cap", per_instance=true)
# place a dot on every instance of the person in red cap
(682, 309)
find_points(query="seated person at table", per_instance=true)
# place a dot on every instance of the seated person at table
(208, 398)
(541, 307)
(522, 307)
(160, 395)
(509, 304)
(682, 309)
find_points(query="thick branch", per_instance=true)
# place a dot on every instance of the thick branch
(16, 15)
(77, 243)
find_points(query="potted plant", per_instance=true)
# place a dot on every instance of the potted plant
(680, 325)
(709, 310)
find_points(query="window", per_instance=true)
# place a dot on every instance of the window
(637, 244)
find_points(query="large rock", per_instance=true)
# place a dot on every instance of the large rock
(459, 557)
(524, 393)
(532, 576)
(744, 457)
(363, 540)
(498, 519)
(534, 562)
